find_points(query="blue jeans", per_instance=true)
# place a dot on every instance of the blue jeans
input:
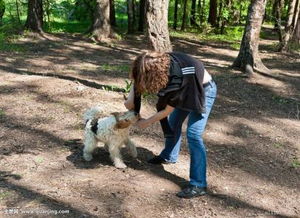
(195, 128)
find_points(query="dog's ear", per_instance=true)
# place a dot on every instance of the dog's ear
(122, 124)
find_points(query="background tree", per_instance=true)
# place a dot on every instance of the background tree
(112, 13)
(193, 13)
(157, 25)
(34, 20)
(212, 18)
(131, 16)
(184, 16)
(142, 13)
(291, 24)
(296, 37)
(248, 58)
(277, 8)
(2, 10)
(101, 27)
(201, 7)
(175, 15)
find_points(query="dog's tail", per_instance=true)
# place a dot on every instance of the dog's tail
(92, 113)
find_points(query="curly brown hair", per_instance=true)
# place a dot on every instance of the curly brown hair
(150, 72)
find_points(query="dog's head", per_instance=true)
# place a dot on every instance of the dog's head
(125, 119)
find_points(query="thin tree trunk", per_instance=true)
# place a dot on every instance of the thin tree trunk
(101, 29)
(142, 15)
(34, 20)
(2, 10)
(240, 15)
(184, 16)
(202, 16)
(134, 13)
(157, 25)
(112, 13)
(278, 8)
(296, 37)
(289, 29)
(175, 15)
(199, 10)
(47, 9)
(18, 11)
(220, 17)
(296, 14)
(248, 58)
(212, 18)
(193, 13)
(130, 14)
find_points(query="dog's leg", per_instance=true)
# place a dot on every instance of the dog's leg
(131, 147)
(106, 147)
(116, 157)
(90, 143)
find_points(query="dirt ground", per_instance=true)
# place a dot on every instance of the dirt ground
(252, 137)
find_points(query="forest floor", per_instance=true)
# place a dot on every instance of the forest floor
(252, 137)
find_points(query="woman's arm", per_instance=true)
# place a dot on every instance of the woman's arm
(143, 123)
(129, 103)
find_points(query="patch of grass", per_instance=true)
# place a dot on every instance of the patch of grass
(118, 68)
(128, 86)
(9, 34)
(295, 163)
(278, 145)
(280, 100)
(110, 88)
(232, 36)
(293, 46)
(39, 160)
(4, 195)
(59, 25)
(2, 113)
(66, 106)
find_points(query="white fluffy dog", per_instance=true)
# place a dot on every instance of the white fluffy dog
(113, 131)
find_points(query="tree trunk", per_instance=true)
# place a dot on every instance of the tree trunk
(289, 28)
(248, 58)
(112, 13)
(220, 17)
(18, 12)
(212, 18)
(296, 14)
(101, 29)
(130, 14)
(296, 37)
(278, 8)
(193, 13)
(183, 24)
(34, 20)
(202, 15)
(175, 15)
(2, 10)
(157, 25)
(142, 15)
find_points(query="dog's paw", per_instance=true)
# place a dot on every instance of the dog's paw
(106, 147)
(87, 157)
(134, 154)
(119, 165)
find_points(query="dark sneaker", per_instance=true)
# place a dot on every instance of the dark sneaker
(191, 192)
(157, 160)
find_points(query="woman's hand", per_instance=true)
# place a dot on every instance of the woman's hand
(129, 104)
(142, 123)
